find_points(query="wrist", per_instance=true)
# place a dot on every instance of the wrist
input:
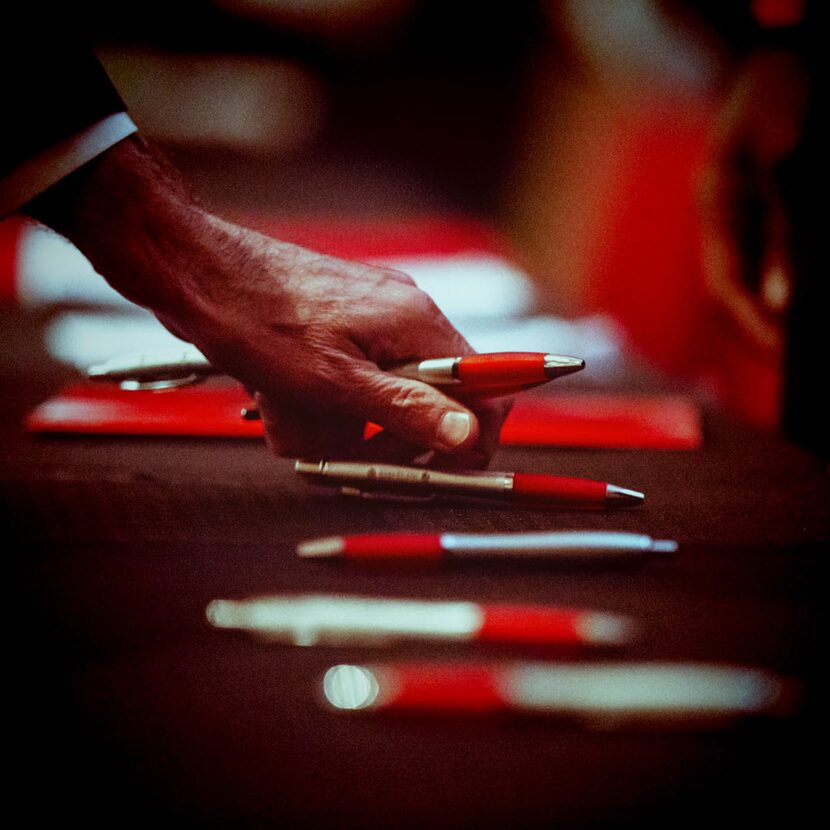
(133, 219)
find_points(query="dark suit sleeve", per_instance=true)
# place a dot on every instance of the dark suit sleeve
(53, 88)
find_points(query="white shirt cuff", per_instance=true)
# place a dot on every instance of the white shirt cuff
(39, 173)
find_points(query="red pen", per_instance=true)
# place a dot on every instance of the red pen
(337, 619)
(606, 694)
(497, 373)
(539, 489)
(481, 375)
(562, 546)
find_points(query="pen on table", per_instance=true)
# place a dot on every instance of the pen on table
(308, 620)
(498, 373)
(154, 369)
(610, 694)
(561, 546)
(523, 488)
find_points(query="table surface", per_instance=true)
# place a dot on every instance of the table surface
(126, 707)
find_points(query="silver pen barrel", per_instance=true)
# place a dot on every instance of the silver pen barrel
(580, 544)
(395, 478)
(161, 364)
(441, 371)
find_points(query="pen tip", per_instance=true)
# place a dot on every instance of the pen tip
(350, 687)
(622, 497)
(219, 613)
(321, 548)
(557, 365)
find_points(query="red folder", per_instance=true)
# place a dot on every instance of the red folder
(621, 421)
(575, 419)
(91, 409)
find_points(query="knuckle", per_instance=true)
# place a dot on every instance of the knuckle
(406, 398)
(407, 402)
(419, 304)
(400, 277)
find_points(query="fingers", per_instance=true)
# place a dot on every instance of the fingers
(414, 428)
(413, 411)
(297, 431)
(744, 225)
(410, 326)
(743, 307)
(491, 415)
(725, 258)
(775, 290)
(313, 343)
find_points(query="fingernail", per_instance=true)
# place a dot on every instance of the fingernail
(454, 428)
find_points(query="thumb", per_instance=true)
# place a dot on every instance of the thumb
(414, 411)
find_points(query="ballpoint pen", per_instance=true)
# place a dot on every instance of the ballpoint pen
(559, 546)
(356, 477)
(154, 369)
(493, 374)
(605, 694)
(309, 620)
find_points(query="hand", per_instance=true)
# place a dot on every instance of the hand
(743, 221)
(310, 335)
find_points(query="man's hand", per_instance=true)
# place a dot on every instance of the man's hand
(310, 335)
(744, 226)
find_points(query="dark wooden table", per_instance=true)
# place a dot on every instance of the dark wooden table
(127, 708)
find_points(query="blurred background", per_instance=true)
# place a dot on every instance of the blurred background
(571, 131)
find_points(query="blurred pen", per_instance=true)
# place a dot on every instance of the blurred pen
(499, 373)
(308, 620)
(154, 369)
(563, 546)
(523, 488)
(610, 694)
